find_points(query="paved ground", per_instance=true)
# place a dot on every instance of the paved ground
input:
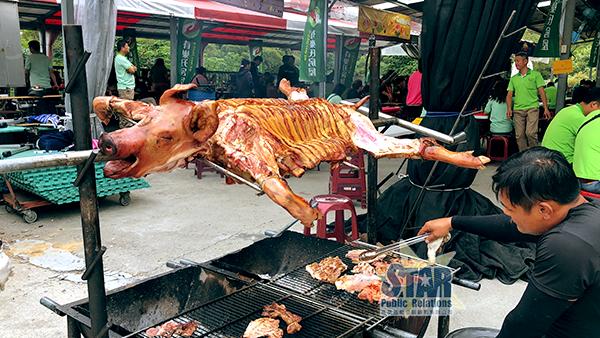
(179, 217)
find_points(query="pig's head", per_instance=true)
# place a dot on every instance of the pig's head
(165, 137)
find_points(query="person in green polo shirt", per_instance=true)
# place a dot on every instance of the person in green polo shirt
(551, 96)
(586, 154)
(525, 85)
(125, 71)
(39, 68)
(563, 128)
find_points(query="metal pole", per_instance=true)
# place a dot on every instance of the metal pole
(323, 85)
(173, 49)
(597, 68)
(565, 53)
(49, 161)
(372, 161)
(87, 189)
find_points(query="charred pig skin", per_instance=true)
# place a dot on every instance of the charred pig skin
(257, 139)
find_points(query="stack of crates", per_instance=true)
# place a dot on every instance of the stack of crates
(350, 182)
(56, 184)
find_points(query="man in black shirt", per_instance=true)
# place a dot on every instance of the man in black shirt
(542, 204)
(289, 71)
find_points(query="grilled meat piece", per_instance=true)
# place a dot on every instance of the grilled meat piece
(275, 310)
(372, 292)
(328, 270)
(364, 268)
(254, 138)
(170, 328)
(263, 327)
(355, 283)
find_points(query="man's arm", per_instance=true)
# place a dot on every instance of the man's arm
(545, 102)
(509, 104)
(497, 227)
(534, 314)
(53, 77)
(132, 69)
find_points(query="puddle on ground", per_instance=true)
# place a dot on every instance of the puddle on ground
(60, 258)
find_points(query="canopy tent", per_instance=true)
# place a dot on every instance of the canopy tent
(222, 24)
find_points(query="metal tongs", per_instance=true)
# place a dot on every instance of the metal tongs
(372, 254)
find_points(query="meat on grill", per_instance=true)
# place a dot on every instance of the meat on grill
(328, 270)
(275, 310)
(170, 328)
(355, 283)
(263, 327)
(354, 254)
(364, 268)
(254, 138)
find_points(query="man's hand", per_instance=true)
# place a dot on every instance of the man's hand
(437, 228)
(547, 114)
(509, 114)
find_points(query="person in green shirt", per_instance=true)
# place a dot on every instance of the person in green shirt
(551, 96)
(124, 70)
(496, 109)
(39, 69)
(563, 128)
(336, 96)
(586, 154)
(525, 85)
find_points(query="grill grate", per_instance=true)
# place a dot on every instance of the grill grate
(230, 315)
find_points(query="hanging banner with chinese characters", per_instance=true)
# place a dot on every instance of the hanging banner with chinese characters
(133, 56)
(312, 55)
(594, 52)
(350, 48)
(378, 22)
(188, 49)
(549, 43)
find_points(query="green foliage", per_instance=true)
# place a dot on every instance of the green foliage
(404, 65)
(149, 50)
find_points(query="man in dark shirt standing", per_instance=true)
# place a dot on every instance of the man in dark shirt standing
(289, 71)
(542, 204)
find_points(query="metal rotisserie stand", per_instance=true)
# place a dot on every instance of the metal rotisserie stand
(222, 295)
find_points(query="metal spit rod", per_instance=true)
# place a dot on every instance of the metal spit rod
(49, 161)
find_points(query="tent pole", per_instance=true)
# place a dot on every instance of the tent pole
(375, 54)
(173, 48)
(566, 45)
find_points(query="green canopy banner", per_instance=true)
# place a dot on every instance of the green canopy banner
(350, 49)
(133, 56)
(188, 49)
(549, 43)
(254, 52)
(312, 60)
(594, 52)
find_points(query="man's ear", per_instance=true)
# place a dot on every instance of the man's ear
(546, 209)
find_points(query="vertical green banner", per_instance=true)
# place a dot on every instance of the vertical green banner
(188, 49)
(594, 52)
(312, 55)
(254, 52)
(549, 43)
(133, 56)
(350, 48)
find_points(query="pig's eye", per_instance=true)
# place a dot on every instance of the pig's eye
(164, 139)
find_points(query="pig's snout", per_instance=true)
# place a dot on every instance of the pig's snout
(107, 145)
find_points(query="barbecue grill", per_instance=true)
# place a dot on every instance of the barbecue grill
(225, 294)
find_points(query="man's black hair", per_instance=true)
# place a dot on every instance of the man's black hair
(120, 44)
(356, 84)
(593, 94)
(258, 58)
(535, 175)
(550, 84)
(35, 45)
(339, 89)
(285, 58)
(523, 55)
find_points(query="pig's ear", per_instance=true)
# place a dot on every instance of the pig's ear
(171, 95)
(204, 120)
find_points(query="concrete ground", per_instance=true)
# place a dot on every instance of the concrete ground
(179, 217)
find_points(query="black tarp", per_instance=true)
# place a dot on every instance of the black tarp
(458, 37)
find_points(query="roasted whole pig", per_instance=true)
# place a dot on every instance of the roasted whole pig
(257, 139)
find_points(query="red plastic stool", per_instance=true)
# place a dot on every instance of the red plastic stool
(349, 182)
(589, 194)
(489, 148)
(338, 204)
